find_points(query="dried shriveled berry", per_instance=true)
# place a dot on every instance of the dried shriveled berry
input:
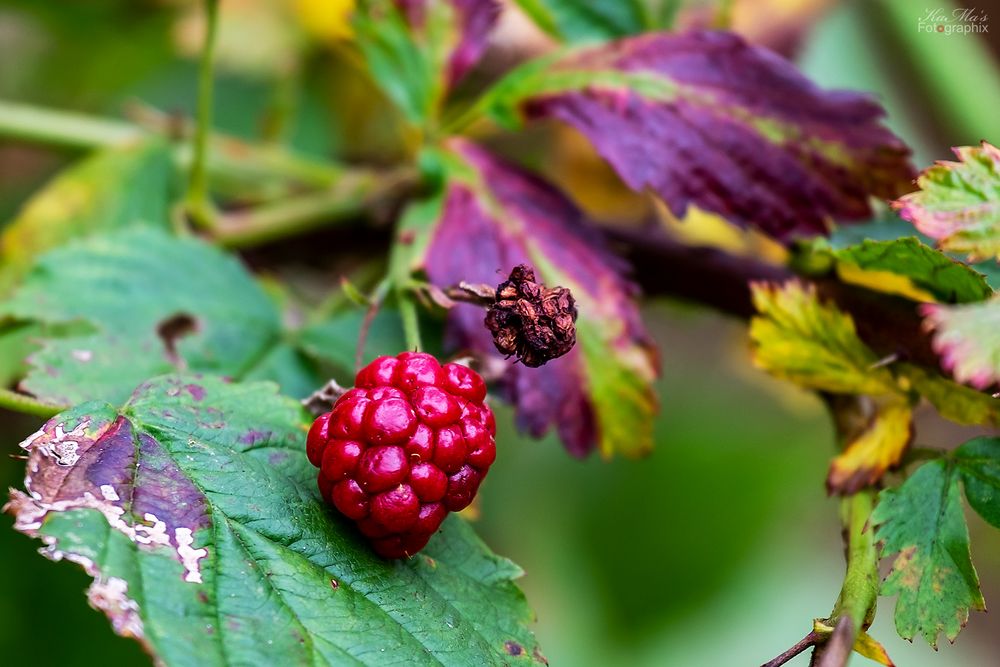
(410, 443)
(530, 321)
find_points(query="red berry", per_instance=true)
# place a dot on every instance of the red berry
(382, 467)
(428, 482)
(397, 509)
(350, 499)
(408, 445)
(340, 459)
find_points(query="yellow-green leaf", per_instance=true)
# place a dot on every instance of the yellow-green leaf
(797, 337)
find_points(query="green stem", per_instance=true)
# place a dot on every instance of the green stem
(411, 323)
(64, 129)
(859, 594)
(355, 193)
(12, 400)
(199, 207)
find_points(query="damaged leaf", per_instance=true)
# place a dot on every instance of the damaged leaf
(967, 338)
(196, 512)
(704, 118)
(493, 216)
(922, 522)
(877, 448)
(797, 337)
(113, 188)
(958, 203)
(147, 304)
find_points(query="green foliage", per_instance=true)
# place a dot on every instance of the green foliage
(196, 512)
(933, 574)
(926, 269)
(979, 464)
(959, 202)
(923, 523)
(153, 304)
(111, 189)
(578, 22)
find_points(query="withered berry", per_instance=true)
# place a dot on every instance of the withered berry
(410, 443)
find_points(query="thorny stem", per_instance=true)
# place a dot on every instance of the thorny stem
(199, 207)
(28, 404)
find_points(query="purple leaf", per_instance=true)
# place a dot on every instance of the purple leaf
(493, 216)
(473, 23)
(704, 118)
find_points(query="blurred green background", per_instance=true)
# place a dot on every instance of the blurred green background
(718, 549)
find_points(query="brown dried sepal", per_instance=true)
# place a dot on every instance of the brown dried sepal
(530, 321)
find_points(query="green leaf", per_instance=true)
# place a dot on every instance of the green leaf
(798, 338)
(953, 401)
(598, 20)
(967, 337)
(923, 523)
(958, 203)
(416, 51)
(939, 276)
(196, 512)
(151, 304)
(335, 339)
(113, 188)
(978, 461)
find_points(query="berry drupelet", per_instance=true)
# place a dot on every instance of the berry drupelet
(409, 444)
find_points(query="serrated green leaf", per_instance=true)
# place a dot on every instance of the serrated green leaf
(113, 188)
(151, 303)
(978, 461)
(799, 338)
(958, 203)
(923, 523)
(196, 512)
(945, 279)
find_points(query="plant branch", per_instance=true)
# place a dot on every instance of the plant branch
(65, 129)
(806, 642)
(199, 207)
(355, 193)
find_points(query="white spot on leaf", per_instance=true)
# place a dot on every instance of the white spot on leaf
(189, 556)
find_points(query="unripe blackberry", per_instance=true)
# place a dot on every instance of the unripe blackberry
(410, 443)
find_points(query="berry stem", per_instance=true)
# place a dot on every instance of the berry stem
(198, 205)
(411, 323)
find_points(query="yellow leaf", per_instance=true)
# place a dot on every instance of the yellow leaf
(326, 19)
(879, 447)
(871, 649)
